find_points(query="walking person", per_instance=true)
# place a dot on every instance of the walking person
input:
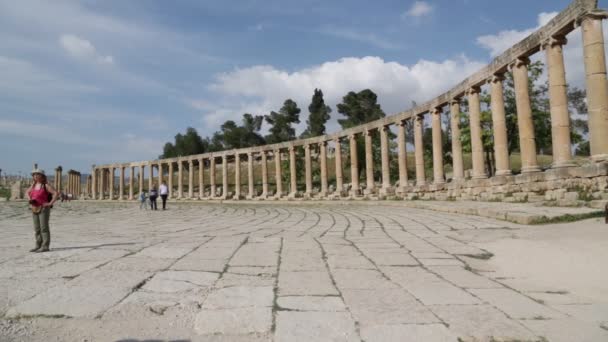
(153, 197)
(164, 193)
(42, 197)
(142, 200)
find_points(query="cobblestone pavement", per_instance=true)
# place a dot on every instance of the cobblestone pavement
(272, 272)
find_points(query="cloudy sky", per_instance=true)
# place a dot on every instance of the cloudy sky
(92, 82)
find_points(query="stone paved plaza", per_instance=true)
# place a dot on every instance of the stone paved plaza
(301, 272)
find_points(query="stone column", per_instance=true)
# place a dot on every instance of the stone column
(277, 173)
(499, 127)
(438, 176)
(323, 166)
(102, 176)
(160, 174)
(338, 160)
(369, 163)
(479, 171)
(59, 169)
(89, 185)
(457, 164)
(170, 176)
(308, 166)
(180, 178)
(597, 87)
(212, 177)
(354, 167)
(190, 179)
(264, 174)
(558, 100)
(224, 177)
(386, 171)
(111, 178)
(131, 176)
(150, 176)
(402, 154)
(201, 178)
(527, 143)
(237, 176)
(121, 183)
(250, 175)
(292, 172)
(93, 183)
(141, 177)
(419, 148)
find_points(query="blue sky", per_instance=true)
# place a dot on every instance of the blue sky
(94, 82)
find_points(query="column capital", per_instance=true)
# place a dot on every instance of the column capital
(338, 140)
(496, 78)
(277, 151)
(307, 147)
(473, 90)
(368, 131)
(596, 14)
(555, 40)
(322, 143)
(436, 111)
(352, 136)
(419, 117)
(454, 101)
(249, 154)
(291, 148)
(59, 168)
(401, 123)
(519, 62)
(224, 157)
(385, 128)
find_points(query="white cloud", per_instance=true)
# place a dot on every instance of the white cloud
(83, 49)
(419, 9)
(260, 89)
(498, 43)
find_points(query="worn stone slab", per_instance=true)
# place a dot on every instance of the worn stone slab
(349, 261)
(229, 279)
(408, 333)
(361, 279)
(567, 330)
(305, 283)
(234, 321)
(312, 303)
(239, 297)
(194, 264)
(466, 279)
(256, 254)
(132, 263)
(516, 305)
(163, 252)
(315, 326)
(179, 281)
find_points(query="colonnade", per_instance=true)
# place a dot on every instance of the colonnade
(550, 40)
(74, 184)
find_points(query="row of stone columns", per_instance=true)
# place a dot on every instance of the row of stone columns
(597, 98)
(74, 183)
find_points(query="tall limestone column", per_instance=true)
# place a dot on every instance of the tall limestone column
(597, 86)
(237, 176)
(419, 148)
(160, 174)
(355, 190)
(386, 173)
(250, 175)
(141, 177)
(402, 155)
(339, 171)
(89, 185)
(102, 188)
(527, 142)
(111, 183)
(457, 164)
(293, 176)
(277, 173)
(224, 176)
(212, 177)
(369, 163)
(438, 175)
(59, 179)
(264, 174)
(170, 183)
(131, 177)
(93, 183)
(558, 100)
(479, 171)
(201, 178)
(180, 178)
(308, 171)
(151, 176)
(190, 179)
(323, 166)
(121, 183)
(499, 126)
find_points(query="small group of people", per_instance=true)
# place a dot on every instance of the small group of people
(163, 191)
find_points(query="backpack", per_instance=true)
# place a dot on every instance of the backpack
(49, 196)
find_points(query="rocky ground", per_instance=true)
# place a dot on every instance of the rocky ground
(291, 272)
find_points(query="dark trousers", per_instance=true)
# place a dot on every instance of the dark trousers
(164, 198)
(153, 203)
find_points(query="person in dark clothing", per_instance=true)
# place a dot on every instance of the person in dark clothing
(153, 196)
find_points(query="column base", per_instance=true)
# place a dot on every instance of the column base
(530, 169)
(292, 195)
(387, 190)
(369, 191)
(420, 183)
(563, 164)
(484, 176)
(503, 173)
(355, 192)
(322, 194)
(440, 182)
(599, 158)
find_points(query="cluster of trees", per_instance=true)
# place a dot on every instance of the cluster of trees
(361, 107)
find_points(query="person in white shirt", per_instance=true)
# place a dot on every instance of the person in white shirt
(164, 193)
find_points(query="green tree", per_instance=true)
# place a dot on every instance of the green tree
(185, 144)
(232, 136)
(360, 108)
(281, 123)
(319, 115)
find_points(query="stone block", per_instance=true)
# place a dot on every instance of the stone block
(571, 196)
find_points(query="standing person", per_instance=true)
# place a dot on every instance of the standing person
(142, 200)
(164, 193)
(42, 197)
(153, 196)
